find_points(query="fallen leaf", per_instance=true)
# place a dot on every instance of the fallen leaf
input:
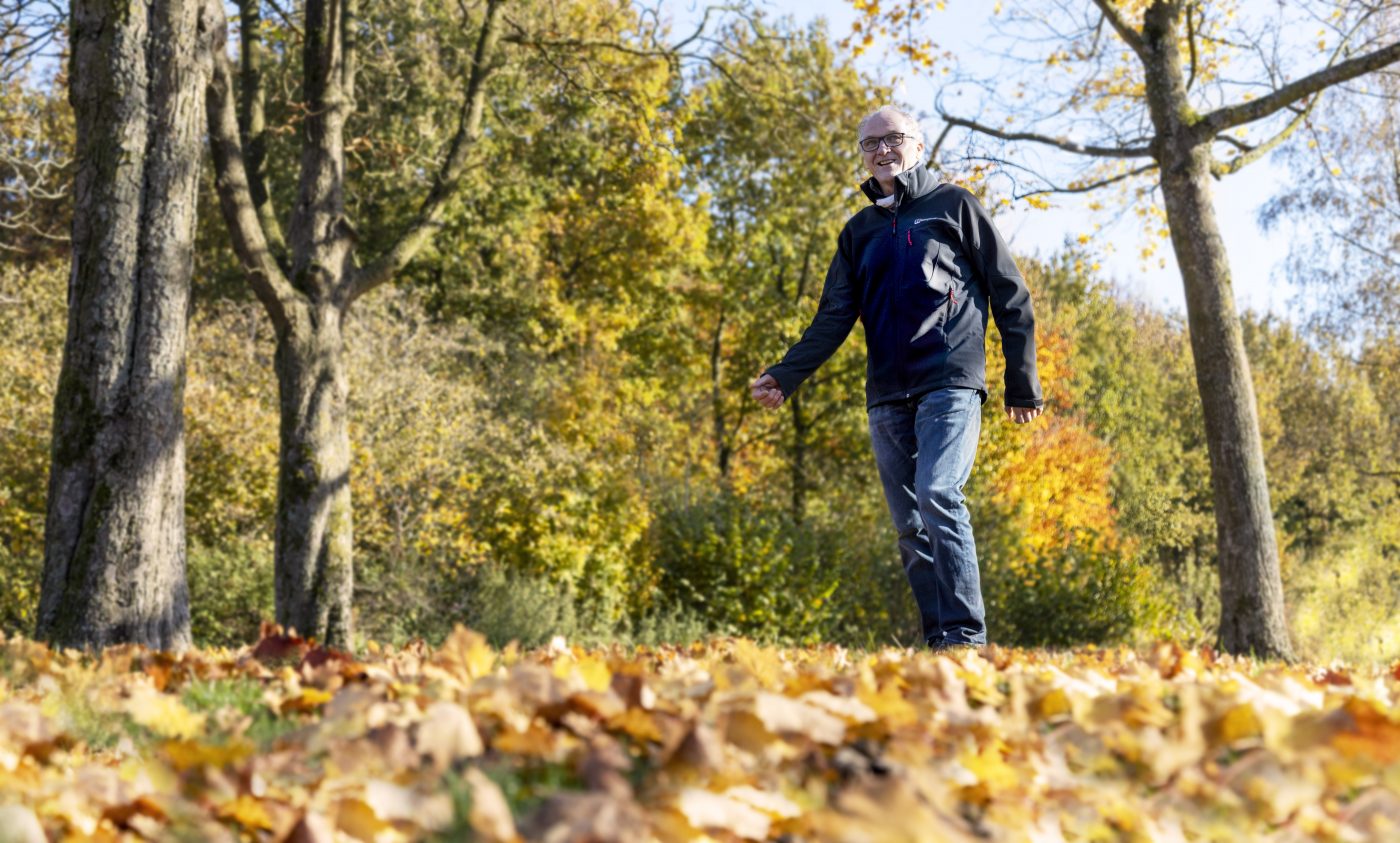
(706, 811)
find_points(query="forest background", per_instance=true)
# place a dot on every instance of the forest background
(549, 416)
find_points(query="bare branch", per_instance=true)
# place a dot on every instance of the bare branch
(1129, 35)
(1191, 40)
(1059, 143)
(1237, 115)
(1089, 187)
(252, 122)
(429, 220)
(231, 182)
(938, 144)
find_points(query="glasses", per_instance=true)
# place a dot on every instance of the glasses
(892, 140)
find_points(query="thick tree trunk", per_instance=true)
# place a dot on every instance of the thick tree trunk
(1251, 590)
(314, 543)
(114, 538)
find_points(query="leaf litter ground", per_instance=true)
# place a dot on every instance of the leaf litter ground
(727, 740)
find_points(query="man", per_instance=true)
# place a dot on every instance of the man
(921, 267)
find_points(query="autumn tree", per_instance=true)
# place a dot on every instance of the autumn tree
(308, 273)
(1137, 88)
(114, 538)
(769, 144)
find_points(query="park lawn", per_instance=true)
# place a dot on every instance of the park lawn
(725, 740)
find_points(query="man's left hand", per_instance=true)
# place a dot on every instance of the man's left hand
(1021, 415)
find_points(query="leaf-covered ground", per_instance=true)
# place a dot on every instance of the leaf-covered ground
(724, 741)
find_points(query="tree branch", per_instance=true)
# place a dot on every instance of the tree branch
(269, 282)
(1129, 35)
(1237, 115)
(1250, 154)
(1059, 143)
(1191, 40)
(252, 123)
(429, 220)
(1089, 187)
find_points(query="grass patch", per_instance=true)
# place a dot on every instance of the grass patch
(525, 783)
(244, 696)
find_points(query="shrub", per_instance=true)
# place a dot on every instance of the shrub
(1086, 593)
(1345, 600)
(743, 567)
(231, 592)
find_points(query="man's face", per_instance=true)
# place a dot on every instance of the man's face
(883, 162)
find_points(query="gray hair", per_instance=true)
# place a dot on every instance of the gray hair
(915, 130)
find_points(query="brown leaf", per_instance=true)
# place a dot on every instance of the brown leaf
(312, 828)
(1368, 732)
(397, 804)
(490, 815)
(447, 733)
(587, 818)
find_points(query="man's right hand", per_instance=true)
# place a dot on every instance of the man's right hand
(766, 391)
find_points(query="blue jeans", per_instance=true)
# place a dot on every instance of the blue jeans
(924, 448)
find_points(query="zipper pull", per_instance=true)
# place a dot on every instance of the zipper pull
(909, 237)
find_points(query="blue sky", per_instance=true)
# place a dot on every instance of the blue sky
(1255, 258)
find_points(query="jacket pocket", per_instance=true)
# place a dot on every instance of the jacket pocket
(929, 291)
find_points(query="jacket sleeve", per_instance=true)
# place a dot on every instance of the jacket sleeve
(1010, 301)
(836, 315)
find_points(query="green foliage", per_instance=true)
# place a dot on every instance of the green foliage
(749, 571)
(1345, 599)
(230, 592)
(507, 605)
(1084, 594)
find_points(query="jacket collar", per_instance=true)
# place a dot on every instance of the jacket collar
(910, 184)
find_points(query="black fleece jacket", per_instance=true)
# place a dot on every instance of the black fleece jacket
(922, 276)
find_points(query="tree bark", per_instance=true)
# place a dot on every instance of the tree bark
(1251, 590)
(114, 536)
(314, 539)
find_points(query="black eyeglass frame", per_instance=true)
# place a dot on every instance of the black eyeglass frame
(872, 144)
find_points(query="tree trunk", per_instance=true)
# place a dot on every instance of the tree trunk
(723, 446)
(314, 542)
(1251, 589)
(114, 537)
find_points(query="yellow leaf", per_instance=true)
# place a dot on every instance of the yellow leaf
(465, 651)
(637, 723)
(1239, 723)
(247, 811)
(164, 715)
(185, 755)
(308, 700)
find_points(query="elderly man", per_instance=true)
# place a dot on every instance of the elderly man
(922, 267)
